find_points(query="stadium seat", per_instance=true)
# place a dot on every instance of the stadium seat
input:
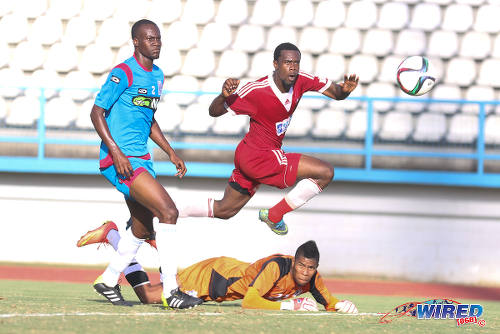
(232, 64)
(182, 35)
(28, 56)
(96, 58)
(492, 130)
(463, 129)
(365, 66)
(60, 112)
(23, 111)
(182, 84)
(62, 57)
(249, 38)
(170, 60)
(196, 119)
(198, 11)
(476, 45)
(495, 52)
(99, 10)
(6, 7)
(114, 32)
(430, 127)
(396, 125)
(410, 43)
(46, 30)
(261, 64)
(445, 92)
(314, 40)
(381, 89)
(415, 106)
(345, 41)
(266, 12)
(489, 73)
(330, 123)
(301, 122)
(161, 11)
(471, 2)
(298, 13)
(443, 44)
(212, 86)
(64, 9)
(356, 129)
(198, 63)
(230, 124)
(232, 12)
(461, 72)
(13, 28)
(388, 68)
(457, 17)
(393, 16)
(215, 37)
(78, 85)
(279, 34)
(83, 120)
(30, 8)
(487, 18)
(132, 10)
(80, 30)
(378, 42)
(331, 66)
(361, 15)
(168, 115)
(5, 53)
(426, 17)
(49, 79)
(349, 104)
(11, 79)
(478, 93)
(329, 14)
(127, 50)
(306, 62)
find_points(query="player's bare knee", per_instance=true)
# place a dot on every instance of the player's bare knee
(327, 175)
(169, 215)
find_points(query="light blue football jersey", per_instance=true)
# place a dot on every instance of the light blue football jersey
(130, 96)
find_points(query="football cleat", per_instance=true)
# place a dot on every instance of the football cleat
(279, 228)
(97, 235)
(112, 294)
(180, 300)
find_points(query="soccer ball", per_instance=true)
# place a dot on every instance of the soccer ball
(416, 76)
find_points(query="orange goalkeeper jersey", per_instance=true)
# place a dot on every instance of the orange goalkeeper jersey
(225, 278)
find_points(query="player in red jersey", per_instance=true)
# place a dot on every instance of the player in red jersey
(270, 103)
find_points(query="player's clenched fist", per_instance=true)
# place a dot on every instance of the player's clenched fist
(346, 306)
(300, 304)
(230, 86)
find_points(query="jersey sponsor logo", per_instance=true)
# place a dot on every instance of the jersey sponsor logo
(282, 126)
(147, 102)
(142, 91)
(115, 79)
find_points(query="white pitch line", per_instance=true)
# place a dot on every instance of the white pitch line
(89, 314)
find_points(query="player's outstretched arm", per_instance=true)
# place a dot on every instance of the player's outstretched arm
(217, 108)
(122, 165)
(342, 90)
(253, 300)
(157, 136)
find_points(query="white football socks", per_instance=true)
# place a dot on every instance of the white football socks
(166, 243)
(302, 192)
(113, 238)
(196, 209)
(125, 253)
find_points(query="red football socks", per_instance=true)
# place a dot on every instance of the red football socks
(276, 212)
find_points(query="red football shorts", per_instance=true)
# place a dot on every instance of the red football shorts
(272, 167)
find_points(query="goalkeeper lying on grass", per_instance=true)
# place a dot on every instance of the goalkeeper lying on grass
(264, 284)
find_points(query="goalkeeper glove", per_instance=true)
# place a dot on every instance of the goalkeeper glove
(346, 306)
(300, 304)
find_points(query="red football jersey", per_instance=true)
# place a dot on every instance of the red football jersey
(270, 110)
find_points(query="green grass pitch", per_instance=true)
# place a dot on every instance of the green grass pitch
(47, 307)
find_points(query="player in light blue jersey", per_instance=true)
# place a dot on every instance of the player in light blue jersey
(123, 116)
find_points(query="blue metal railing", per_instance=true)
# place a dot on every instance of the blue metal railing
(43, 164)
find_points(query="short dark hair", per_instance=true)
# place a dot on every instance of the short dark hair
(284, 46)
(309, 250)
(140, 23)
